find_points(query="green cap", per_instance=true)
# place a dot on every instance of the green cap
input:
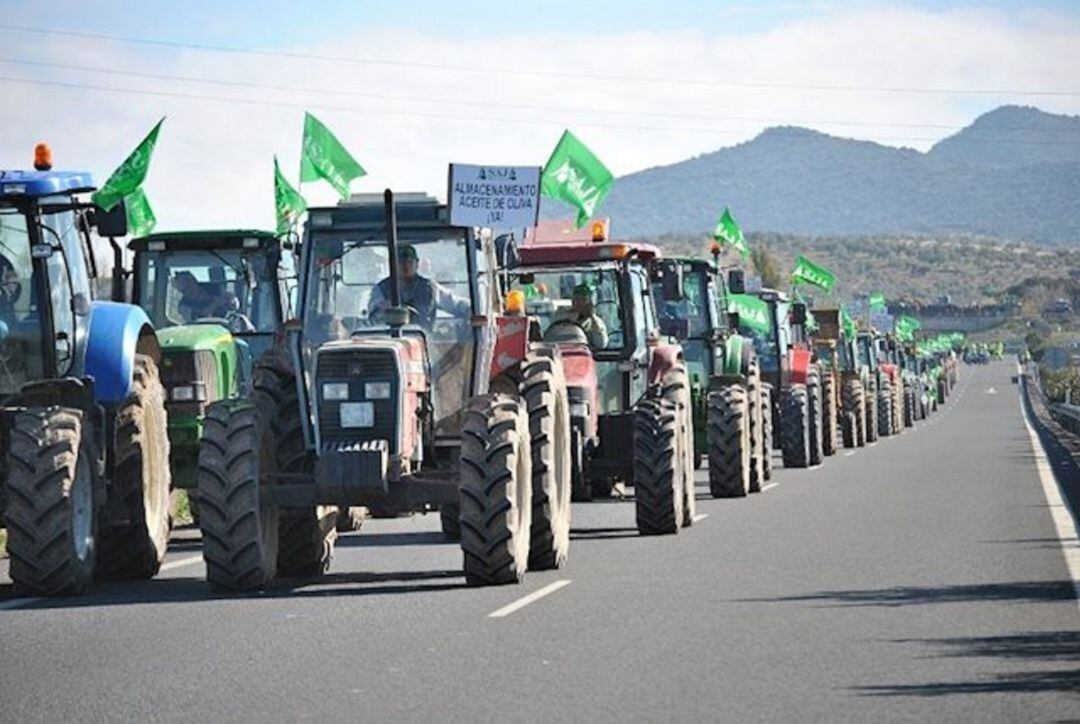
(407, 253)
(584, 290)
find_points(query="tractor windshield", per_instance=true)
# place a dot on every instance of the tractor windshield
(21, 358)
(228, 286)
(690, 314)
(576, 304)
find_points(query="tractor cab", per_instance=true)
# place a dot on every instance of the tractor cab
(218, 299)
(79, 378)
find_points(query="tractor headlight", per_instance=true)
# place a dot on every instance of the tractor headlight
(183, 393)
(335, 391)
(377, 390)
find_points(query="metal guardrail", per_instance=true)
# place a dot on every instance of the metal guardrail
(1068, 416)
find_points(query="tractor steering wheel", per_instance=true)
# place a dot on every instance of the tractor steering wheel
(567, 331)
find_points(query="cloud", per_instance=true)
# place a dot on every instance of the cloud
(405, 123)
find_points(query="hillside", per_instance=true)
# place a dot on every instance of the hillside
(1013, 174)
(972, 270)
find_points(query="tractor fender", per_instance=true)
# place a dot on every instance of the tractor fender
(800, 365)
(116, 333)
(662, 358)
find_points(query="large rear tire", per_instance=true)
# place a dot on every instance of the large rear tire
(795, 426)
(141, 479)
(543, 387)
(829, 414)
(659, 491)
(496, 490)
(729, 442)
(307, 535)
(676, 388)
(50, 503)
(237, 457)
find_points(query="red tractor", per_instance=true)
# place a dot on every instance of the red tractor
(407, 387)
(629, 390)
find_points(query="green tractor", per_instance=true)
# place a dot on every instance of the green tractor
(218, 300)
(729, 400)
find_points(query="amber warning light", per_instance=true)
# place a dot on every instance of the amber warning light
(42, 157)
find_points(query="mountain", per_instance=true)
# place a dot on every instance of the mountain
(1012, 174)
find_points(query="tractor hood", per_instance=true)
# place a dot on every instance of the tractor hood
(193, 337)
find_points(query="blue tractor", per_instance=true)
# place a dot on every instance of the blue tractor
(84, 452)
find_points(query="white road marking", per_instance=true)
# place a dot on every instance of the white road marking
(770, 486)
(849, 453)
(700, 517)
(989, 391)
(18, 603)
(531, 598)
(181, 562)
(1064, 518)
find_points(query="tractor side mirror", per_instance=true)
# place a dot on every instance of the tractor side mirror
(798, 314)
(506, 251)
(733, 321)
(736, 281)
(672, 281)
(111, 224)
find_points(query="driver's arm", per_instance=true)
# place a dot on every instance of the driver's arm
(598, 334)
(449, 302)
(376, 302)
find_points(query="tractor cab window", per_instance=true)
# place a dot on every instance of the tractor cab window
(576, 304)
(228, 287)
(690, 315)
(21, 357)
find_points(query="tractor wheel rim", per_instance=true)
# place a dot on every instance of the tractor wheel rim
(82, 513)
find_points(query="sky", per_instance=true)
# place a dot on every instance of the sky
(409, 87)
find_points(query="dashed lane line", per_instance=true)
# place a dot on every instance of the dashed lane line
(770, 486)
(181, 562)
(531, 598)
(700, 517)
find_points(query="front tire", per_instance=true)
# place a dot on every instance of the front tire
(817, 411)
(676, 388)
(496, 490)
(543, 387)
(237, 456)
(141, 478)
(658, 482)
(829, 426)
(729, 442)
(795, 426)
(50, 503)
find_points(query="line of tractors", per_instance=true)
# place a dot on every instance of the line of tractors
(387, 363)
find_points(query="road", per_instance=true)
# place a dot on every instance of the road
(921, 579)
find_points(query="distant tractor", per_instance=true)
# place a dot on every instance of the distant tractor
(630, 391)
(410, 388)
(840, 383)
(84, 489)
(787, 365)
(876, 401)
(731, 404)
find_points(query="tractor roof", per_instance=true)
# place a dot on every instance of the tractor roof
(368, 212)
(44, 183)
(772, 295)
(204, 239)
(559, 241)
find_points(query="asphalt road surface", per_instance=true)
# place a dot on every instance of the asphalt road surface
(921, 579)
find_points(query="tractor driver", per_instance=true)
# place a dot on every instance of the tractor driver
(202, 301)
(582, 312)
(424, 295)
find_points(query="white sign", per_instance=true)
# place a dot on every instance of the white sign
(494, 197)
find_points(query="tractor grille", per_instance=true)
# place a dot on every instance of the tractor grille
(186, 367)
(357, 367)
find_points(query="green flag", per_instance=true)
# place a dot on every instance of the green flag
(288, 203)
(752, 312)
(140, 217)
(877, 301)
(811, 273)
(323, 157)
(130, 174)
(574, 175)
(850, 329)
(728, 232)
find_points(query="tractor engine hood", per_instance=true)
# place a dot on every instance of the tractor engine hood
(369, 393)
